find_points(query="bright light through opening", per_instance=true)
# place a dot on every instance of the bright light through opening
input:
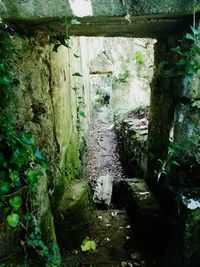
(81, 8)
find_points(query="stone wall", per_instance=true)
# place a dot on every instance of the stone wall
(47, 104)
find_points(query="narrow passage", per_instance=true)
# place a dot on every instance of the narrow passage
(112, 232)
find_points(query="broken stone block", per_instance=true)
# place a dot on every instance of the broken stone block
(103, 190)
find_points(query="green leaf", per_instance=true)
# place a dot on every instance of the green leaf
(82, 114)
(27, 139)
(5, 80)
(189, 36)
(14, 175)
(13, 219)
(32, 176)
(175, 163)
(181, 62)
(38, 154)
(195, 31)
(197, 49)
(77, 74)
(44, 165)
(4, 188)
(88, 245)
(161, 161)
(177, 50)
(16, 202)
(171, 150)
(75, 22)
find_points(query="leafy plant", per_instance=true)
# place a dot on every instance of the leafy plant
(123, 76)
(184, 57)
(21, 162)
(88, 245)
(139, 57)
(77, 74)
(63, 38)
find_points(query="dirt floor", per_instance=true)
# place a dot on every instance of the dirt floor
(102, 155)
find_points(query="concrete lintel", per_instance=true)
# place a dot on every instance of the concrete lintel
(36, 9)
(140, 26)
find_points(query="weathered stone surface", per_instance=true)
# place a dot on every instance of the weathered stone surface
(191, 89)
(46, 106)
(149, 18)
(187, 129)
(103, 190)
(145, 212)
(132, 133)
(143, 198)
(184, 249)
(73, 215)
(27, 9)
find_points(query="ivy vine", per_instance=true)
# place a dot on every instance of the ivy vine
(21, 164)
(184, 58)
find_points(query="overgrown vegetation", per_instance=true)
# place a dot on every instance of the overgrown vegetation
(184, 58)
(21, 164)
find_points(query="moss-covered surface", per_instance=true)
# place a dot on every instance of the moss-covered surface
(73, 215)
(47, 227)
(72, 171)
(73, 164)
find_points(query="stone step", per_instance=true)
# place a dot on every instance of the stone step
(145, 212)
(140, 195)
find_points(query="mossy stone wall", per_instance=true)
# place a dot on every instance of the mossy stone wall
(47, 106)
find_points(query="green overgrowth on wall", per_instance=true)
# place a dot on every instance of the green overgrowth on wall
(21, 164)
(183, 60)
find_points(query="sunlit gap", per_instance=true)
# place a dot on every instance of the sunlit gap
(81, 8)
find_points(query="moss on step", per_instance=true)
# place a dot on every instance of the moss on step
(73, 215)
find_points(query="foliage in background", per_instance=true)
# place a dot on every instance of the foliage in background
(21, 163)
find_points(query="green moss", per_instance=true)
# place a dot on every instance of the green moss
(73, 164)
(47, 227)
(72, 171)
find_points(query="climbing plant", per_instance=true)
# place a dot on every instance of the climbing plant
(21, 163)
(184, 58)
